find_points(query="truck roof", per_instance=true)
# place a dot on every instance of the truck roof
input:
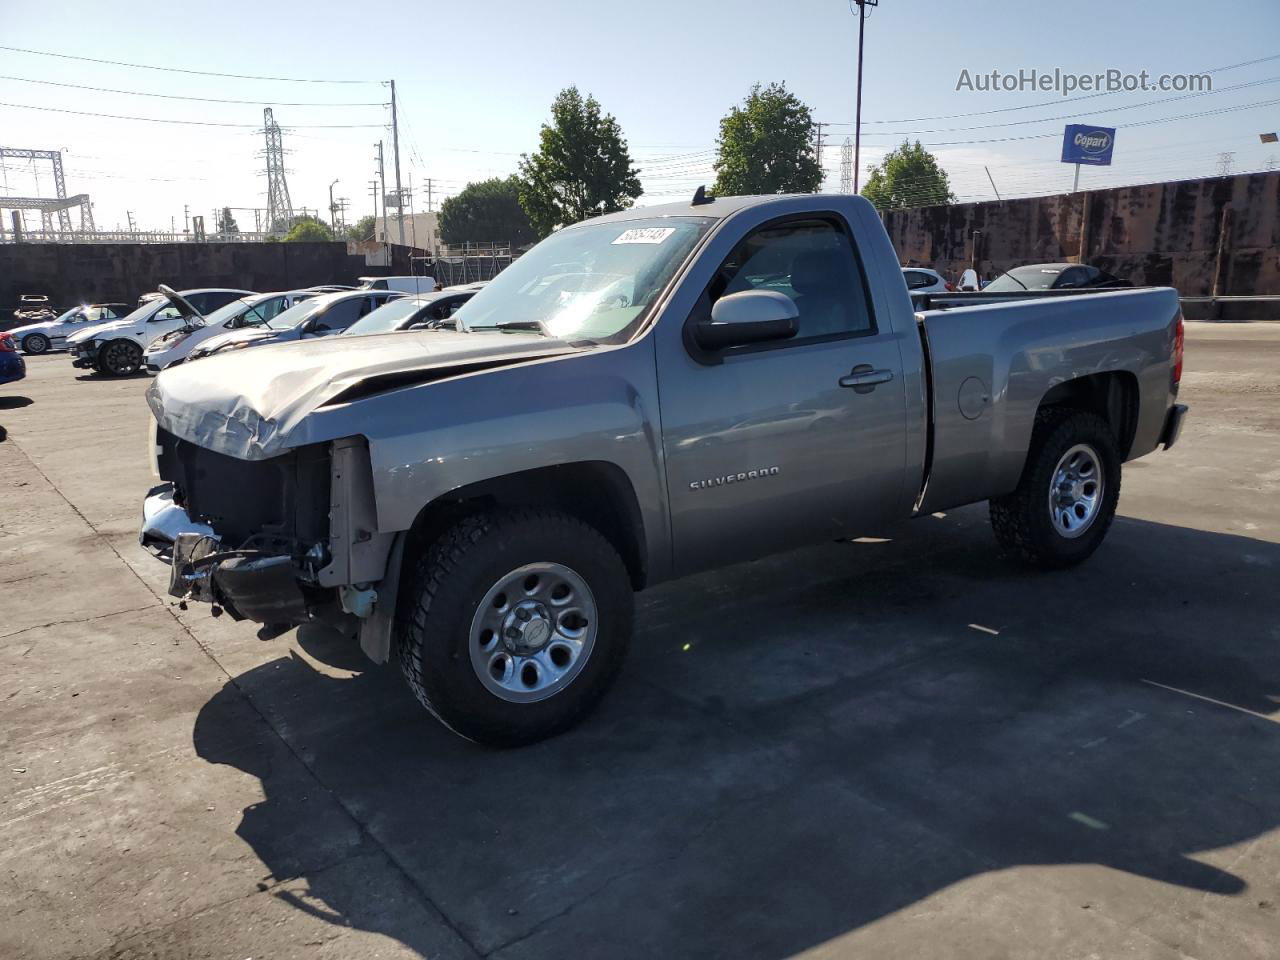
(717, 208)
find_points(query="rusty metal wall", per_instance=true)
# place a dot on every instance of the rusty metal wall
(1165, 233)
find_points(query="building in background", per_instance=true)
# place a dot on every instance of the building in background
(421, 230)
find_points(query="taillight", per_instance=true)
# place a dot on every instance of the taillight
(1179, 340)
(6, 343)
(949, 285)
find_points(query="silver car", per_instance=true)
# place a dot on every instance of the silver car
(48, 335)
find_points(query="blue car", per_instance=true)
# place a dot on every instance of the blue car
(12, 366)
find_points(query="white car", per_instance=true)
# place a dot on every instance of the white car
(322, 316)
(924, 280)
(175, 346)
(117, 348)
(49, 335)
(411, 285)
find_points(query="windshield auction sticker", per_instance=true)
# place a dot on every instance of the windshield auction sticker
(645, 235)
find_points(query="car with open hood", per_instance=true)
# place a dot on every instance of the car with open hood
(246, 312)
(641, 396)
(41, 337)
(319, 316)
(117, 348)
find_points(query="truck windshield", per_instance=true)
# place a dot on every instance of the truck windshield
(591, 282)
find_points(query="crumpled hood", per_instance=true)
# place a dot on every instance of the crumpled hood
(253, 404)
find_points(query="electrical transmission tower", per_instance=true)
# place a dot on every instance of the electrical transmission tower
(846, 166)
(60, 204)
(1226, 160)
(279, 207)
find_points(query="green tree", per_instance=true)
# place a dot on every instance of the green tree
(908, 177)
(363, 229)
(226, 222)
(582, 167)
(308, 230)
(766, 145)
(486, 211)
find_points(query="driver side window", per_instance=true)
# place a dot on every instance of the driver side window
(812, 262)
(168, 313)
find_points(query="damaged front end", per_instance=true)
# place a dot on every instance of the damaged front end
(278, 541)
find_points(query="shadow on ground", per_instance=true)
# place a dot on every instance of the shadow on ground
(14, 403)
(844, 736)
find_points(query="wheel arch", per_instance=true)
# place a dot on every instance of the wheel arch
(1114, 396)
(597, 492)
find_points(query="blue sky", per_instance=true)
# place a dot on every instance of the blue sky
(475, 82)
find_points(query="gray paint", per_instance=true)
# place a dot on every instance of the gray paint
(847, 461)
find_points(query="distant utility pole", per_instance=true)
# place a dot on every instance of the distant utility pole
(186, 219)
(382, 178)
(857, 120)
(395, 145)
(333, 210)
(818, 150)
(373, 192)
(129, 216)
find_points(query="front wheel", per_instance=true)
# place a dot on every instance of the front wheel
(515, 624)
(120, 358)
(35, 343)
(1065, 502)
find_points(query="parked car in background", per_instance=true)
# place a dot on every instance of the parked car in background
(117, 348)
(12, 366)
(406, 313)
(176, 345)
(403, 284)
(320, 316)
(1053, 276)
(331, 287)
(32, 307)
(923, 280)
(52, 334)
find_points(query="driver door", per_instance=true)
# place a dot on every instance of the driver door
(772, 445)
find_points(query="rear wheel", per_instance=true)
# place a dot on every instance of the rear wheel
(516, 622)
(1065, 502)
(120, 358)
(35, 343)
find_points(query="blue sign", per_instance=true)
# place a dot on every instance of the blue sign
(1091, 145)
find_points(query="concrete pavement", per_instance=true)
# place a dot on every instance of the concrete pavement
(903, 748)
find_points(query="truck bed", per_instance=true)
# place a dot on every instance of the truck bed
(991, 364)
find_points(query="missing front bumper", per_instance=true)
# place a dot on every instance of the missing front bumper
(248, 584)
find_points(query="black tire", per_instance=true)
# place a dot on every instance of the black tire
(119, 358)
(1023, 522)
(35, 343)
(444, 588)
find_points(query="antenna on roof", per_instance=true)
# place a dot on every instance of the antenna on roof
(700, 197)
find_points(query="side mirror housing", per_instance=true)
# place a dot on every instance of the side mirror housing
(749, 316)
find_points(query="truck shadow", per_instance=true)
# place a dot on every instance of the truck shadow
(806, 744)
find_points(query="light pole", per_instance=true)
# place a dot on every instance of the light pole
(333, 211)
(857, 120)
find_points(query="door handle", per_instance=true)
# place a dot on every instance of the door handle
(864, 378)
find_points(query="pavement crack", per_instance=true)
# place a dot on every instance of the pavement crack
(62, 623)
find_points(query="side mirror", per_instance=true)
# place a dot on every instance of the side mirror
(750, 316)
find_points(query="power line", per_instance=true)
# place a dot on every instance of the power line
(202, 73)
(171, 96)
(195, 123)
(1072, 116)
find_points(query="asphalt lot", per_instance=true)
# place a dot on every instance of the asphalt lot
(895, 749)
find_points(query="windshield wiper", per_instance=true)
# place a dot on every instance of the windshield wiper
(519, 325)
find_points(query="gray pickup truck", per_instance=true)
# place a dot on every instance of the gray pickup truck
(641, 396)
